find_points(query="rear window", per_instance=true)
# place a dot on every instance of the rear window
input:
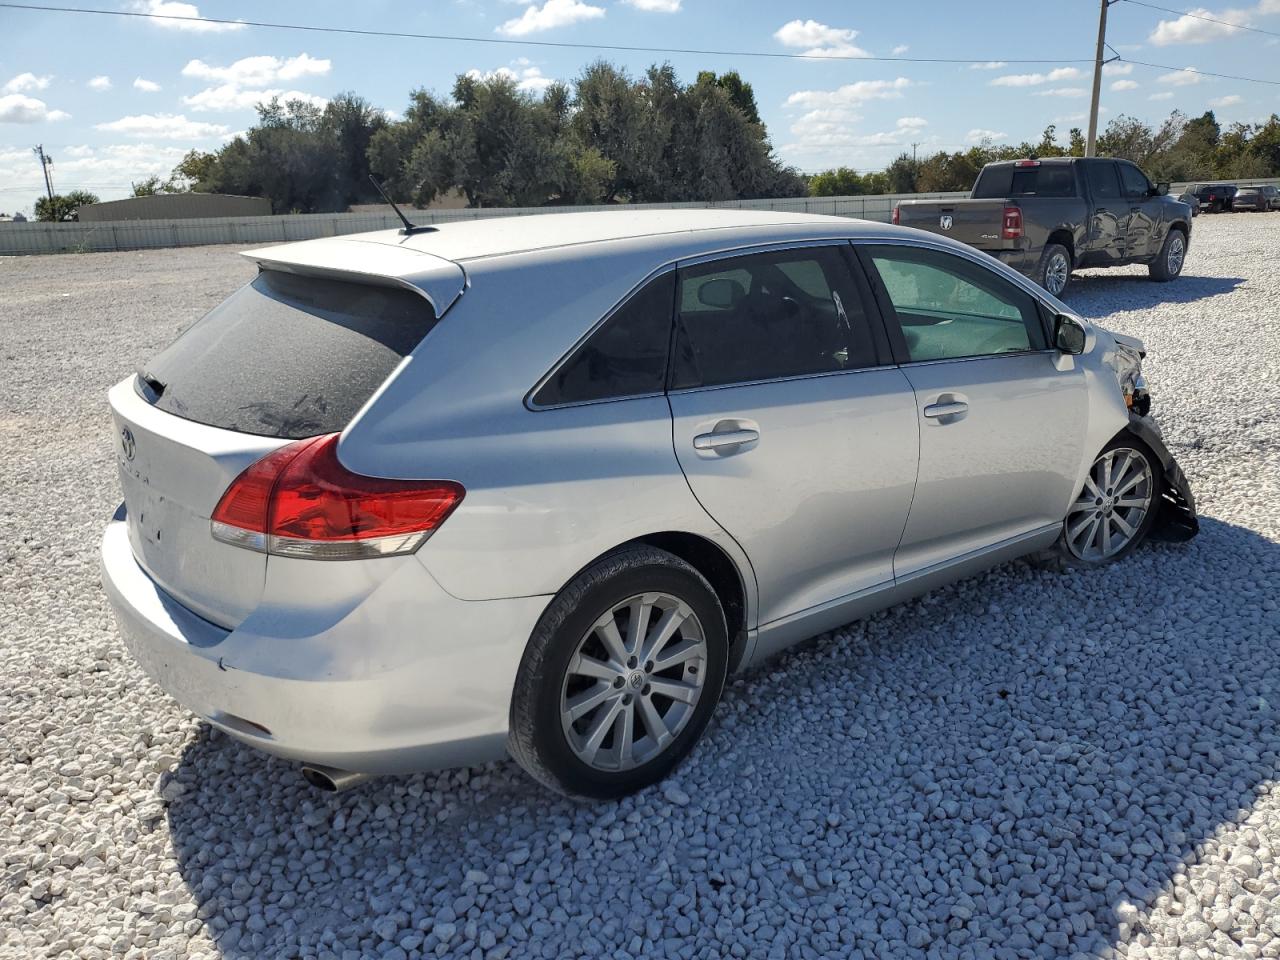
(287, 356)
(1047, 180)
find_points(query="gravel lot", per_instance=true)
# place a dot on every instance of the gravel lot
(1022, 765)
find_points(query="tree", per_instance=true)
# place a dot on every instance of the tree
(63, 206)
(194, 170)
(740, 92)
(153, 185)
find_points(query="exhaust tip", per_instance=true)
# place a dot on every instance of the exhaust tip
(331, 779)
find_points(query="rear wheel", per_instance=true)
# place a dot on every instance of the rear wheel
(1113, 513)
(1168, 264)
(1054, 271)
(620, 677)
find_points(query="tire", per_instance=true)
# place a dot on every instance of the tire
(1054, 270)
(555, 749)
(1173, 254)
(1070, 552)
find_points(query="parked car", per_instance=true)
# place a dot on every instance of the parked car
(1215, 197)
(1257, 199)
(538, 485)
(1192, 201)
(1047, 217)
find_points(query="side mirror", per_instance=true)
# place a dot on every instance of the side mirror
(721, 293)
(1068, 335)
(1162, 188)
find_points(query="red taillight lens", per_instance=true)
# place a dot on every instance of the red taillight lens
(896, 216)
(1012, 225)
(299, 501)
(1026, 163)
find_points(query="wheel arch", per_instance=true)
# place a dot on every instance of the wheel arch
(1063, 237)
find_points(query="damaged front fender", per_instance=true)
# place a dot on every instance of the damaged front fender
(1176, 520)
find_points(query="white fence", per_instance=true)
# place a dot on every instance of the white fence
(30, 238)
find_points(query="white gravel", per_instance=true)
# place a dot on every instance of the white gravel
(1024, 765)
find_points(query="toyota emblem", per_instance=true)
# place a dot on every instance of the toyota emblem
(126, 443)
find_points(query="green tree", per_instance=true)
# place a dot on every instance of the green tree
(63, 206)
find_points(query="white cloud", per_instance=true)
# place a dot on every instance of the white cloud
(260, 71)
(1167, 95)
(988, 65)
(101, 82)
(1180, 78)
(184, 14)
(1036, 79)
(900, 49)
(911, 123)
(146, 86)
(529, 79)
(977, 135)
(818, 39)
(1117, 69)
(655, 6)
(552, 14)
(228, 96)
(1062, 92)
(108, 170)
(1228, 101)
(1122, 85)
(850, 93)
(18, 108)
(1193, 29)
(26, 82)
(164, 126)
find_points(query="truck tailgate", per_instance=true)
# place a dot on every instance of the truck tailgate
(973, 222)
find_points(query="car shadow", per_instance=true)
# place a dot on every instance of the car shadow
(1139, 292)
(996, 769)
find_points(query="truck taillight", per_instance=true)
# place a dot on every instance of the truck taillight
(1026, 163)
(897, 215)
(299, 501)
(1011, 229)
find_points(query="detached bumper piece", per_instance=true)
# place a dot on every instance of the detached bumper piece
(1176, 521)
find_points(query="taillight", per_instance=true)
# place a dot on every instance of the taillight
(897, 216)
(1011, 229)
(299, 501)
(1026, 163)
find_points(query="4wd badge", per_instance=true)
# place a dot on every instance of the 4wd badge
(945, 222)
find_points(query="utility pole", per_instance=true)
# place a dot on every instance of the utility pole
(45, 163)
(1091, 143)
(913, 152)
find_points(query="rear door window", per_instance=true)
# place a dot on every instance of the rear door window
(287, 356)
(763, 316)
(625, 357)
(1103, 182)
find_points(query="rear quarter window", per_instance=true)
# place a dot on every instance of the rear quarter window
(287, 356)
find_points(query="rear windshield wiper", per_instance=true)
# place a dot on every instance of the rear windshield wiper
(155, 386)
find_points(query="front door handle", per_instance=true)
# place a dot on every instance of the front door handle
(726, 439)
(1135, 209)
(948, 409)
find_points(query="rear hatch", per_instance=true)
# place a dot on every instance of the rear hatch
(290, 355)
(974, 222)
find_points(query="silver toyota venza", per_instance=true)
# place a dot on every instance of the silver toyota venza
(414, 499)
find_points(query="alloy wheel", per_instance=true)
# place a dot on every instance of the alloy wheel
(633, 682)
(1056, 273)
(1111, 509)
(1177, 251)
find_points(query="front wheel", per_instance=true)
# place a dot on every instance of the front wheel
(1168, 264)
(620, 677)
(1113, 513)
(1054, 271)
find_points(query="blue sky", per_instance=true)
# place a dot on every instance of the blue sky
(114, 99)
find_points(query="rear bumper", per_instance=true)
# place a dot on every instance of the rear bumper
(404, 678)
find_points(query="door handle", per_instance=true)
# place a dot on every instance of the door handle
(1100, 210)
(727, 439)
(1135, 209)
(947, 409)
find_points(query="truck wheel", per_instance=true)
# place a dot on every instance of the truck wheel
(1168, 264)
(1054, 271)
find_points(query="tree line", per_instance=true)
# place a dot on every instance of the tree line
(609, 137)
(1178, 149)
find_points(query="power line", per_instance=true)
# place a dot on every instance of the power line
(1200, 16)
(524, 43)
(1203, 73)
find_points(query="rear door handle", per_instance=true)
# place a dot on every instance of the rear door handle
(948, 409)
(727, 439)
(1135, 209)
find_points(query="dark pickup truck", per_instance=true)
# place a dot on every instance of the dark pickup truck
(1047, 217)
